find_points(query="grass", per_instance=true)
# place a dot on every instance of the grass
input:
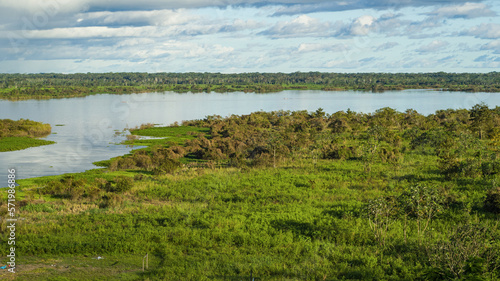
(19, 143)
(172, 135)
(357, 217)
(301, 221)
(22, 134)
(110, 267)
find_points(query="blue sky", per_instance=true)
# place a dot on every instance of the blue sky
(233, 36)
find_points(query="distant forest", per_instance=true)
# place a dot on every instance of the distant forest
(53, 85)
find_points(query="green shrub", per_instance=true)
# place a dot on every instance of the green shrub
(167, 166)
(492, 201)
(123, 184)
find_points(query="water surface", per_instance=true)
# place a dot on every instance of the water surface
(90, 123)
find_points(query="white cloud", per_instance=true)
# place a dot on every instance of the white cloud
(303, 7)
(362, 25)
(309, 47)
(94, 31)
(434, 46)
(47, 7)
(467, 10)
(155, 17)
(299, 27)
(386, 46)
(306, 26)
(199, 35)
(364, 64)
(484, 31)
(493, 45)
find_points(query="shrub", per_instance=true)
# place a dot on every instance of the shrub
(123, 184)
(334, 151)
(492, 201)
(490, 168)
(167, 166)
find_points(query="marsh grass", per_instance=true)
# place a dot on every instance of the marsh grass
(19, 143)
(361, 217)
(21, 134)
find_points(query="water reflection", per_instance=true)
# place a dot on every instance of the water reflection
(90, 123)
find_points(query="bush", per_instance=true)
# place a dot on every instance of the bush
(492, 201)
(490, 168)
(333, 151)
(167, 166)
(122, 184)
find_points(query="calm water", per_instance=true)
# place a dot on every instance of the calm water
(90, 123)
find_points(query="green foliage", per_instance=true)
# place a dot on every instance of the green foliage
(492, 200)
(470, 253)
(21, 134)
(19, 143)
(23, 128)
(38, 208)
(121, 184)
(254, 198)
(45, 86)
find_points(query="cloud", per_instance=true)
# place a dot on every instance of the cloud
(299, 27)
(388, 24)
(434, 46)
(467, 11)
(484, 31)
(306, 26)
(288, 6)
(364, 63)
(362, 25)
(493, 45)
(486, 61)
(305, 7)
(135, 18)
(93, 32)
(308, 47)
(283, 7)
(486, 58)
(240, 25)
(108, 25)
(386, 46)
(199, 35)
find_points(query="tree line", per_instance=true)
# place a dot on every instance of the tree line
(53, 85)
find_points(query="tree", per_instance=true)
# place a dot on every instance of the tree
(422, 204)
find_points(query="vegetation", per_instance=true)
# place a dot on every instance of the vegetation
(21, 134)
(279, 196)
(51, 85)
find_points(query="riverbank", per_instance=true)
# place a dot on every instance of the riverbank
(48, 86)
(293, 195)
(22, 134)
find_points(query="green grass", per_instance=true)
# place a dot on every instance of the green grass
(110, 267)
(175, 134)
(164, 136)
(19, 143)
(358, 215)
(302, 221)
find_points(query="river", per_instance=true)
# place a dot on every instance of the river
(85, 129)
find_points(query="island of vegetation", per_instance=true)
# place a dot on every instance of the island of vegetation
(52, 85)
(278, 196)
(22, 134)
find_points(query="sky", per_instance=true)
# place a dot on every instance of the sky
(234, 36)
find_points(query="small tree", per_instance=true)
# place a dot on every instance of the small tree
(422, 204)
(380, 212)
(470, 253)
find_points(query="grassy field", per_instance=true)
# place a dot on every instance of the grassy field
(350, 209)
(22, 134)
(19, 143)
